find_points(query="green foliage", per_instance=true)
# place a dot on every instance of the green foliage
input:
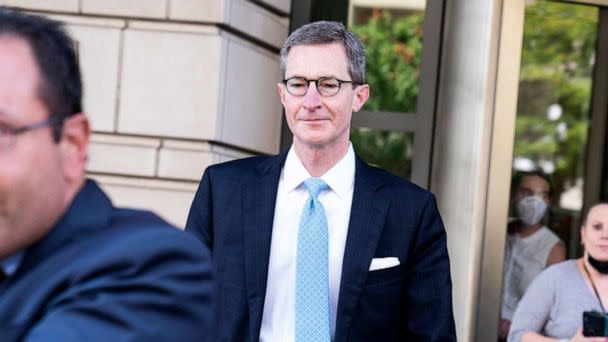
(557, 40)
(393, 49)
(556, 68)
(390, 150)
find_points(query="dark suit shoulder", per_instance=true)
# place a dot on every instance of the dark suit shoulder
(389, 182)
(245, 166)
(239, 165)
(145, 230)
(123, 275)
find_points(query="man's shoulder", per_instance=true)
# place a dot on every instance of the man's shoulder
(245, 163)
(390, 183)
(242, 170)
(144, 230)
(134, 260)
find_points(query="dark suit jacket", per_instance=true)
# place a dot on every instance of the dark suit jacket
(107, 274)
(233, 213)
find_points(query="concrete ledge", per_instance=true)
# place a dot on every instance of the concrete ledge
(132, 8)
(249, 18)
(184, 160)
(171, 200)
(123, 155)
(281, 5)
(197, 10)
(44, 5)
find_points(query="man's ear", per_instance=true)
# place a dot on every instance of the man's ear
(74, 142)
(361, 95)
(281, 89)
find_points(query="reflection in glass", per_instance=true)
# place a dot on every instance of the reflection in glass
(389, 150)
(554, 100)
(393, 42)
(393, 47)
(554, 95)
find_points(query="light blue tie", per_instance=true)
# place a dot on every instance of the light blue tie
(312, 275)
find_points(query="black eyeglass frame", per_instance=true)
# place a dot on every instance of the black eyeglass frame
(317, 84)
(54, 122)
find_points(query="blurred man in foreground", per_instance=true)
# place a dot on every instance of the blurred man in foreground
(73, 267)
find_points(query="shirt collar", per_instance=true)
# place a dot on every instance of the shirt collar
(340, 177)
(11, 263)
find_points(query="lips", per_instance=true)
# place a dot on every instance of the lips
(313, 119)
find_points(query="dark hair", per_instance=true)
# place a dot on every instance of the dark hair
(60, 85)
(326, 32)
(586, 212)
(519, 176)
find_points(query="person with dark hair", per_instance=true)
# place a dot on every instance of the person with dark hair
(553, 306)
(531, 246)
(72, 266)
(313, 244)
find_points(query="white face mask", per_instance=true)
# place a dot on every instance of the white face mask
(531, 210)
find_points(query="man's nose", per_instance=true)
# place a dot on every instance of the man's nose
(312, 98)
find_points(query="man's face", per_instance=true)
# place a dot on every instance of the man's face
(532, 186)
(32, 186)
(317, 121)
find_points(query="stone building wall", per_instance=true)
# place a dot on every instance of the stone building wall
(172, 86)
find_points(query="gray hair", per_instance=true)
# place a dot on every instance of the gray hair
(327, 32)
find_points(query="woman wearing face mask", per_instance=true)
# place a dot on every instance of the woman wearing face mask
(552, 308)
(530, 247)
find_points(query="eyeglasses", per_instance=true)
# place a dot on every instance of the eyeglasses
(326, 86)
(8, 134)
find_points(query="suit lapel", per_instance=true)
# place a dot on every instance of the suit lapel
(258, 215)
(368, 213)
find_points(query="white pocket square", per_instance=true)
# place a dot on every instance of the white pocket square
(382, 263)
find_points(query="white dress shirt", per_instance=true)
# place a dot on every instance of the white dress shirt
(278, 320)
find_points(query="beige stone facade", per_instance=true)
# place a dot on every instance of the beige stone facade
(172, 86)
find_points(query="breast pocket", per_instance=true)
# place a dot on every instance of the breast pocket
(384, 276)
(379, 308)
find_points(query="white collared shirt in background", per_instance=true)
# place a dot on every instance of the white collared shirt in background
(278, 320)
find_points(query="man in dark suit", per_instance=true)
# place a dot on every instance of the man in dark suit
(314, 244)
(73, 267)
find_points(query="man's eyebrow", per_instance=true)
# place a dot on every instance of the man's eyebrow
(315, 78)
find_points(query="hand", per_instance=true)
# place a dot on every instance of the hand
(503, 329)
(579, 337)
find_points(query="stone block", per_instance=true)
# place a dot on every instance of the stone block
(169, 199)
(123, 155)
(128, 8)
(170, 80)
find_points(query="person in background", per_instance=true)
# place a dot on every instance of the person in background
(531, 246)
(72, 266)
(552, 308)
